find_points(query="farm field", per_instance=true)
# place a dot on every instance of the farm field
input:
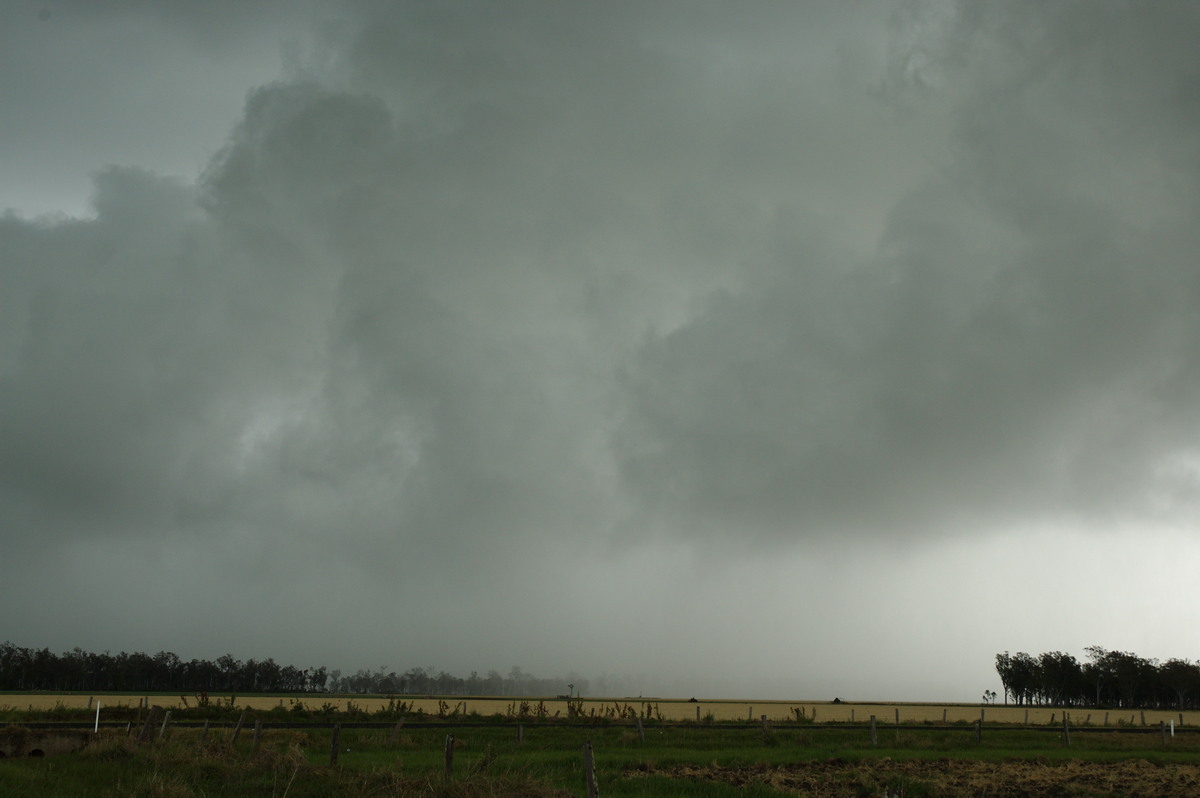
(664, 709)
(664, 759)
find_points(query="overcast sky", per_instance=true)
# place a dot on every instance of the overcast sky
(741, 349)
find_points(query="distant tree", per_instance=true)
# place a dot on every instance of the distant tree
(1024, 677)
(517, 682)
(1061, 678)
(1004, 668)
(493, 683)
(1182, 678)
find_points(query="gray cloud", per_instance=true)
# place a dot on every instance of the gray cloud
(1020, 346)
(523, 324)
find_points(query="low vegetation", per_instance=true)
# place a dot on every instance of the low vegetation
(639, 756)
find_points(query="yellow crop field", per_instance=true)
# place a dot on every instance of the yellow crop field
(666, 709)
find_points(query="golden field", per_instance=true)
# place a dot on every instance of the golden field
(667, 709)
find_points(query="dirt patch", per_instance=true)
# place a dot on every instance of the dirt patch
(1016, 778)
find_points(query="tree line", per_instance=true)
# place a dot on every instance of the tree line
(1115, 679)
(84, 671)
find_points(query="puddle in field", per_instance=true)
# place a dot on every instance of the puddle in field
(1018, 778)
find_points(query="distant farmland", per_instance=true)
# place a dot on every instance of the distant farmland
(664, 709)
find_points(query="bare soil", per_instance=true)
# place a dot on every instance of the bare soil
(1015, 778)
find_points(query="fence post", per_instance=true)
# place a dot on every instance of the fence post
(697, 713)
(1143, 717)
(978, 732)
(151, 721)
(897, 716)
(257, 734)
(204, 733)
(641, 732)
(520, 734)
(943, 714)
(1105, 718)
(449, 754)
(874, 736)
(237, 728)
(982, 715)
(1027, 717)
(589, 771)
(162, 732)
(1066, 731)
(764, 723)
(335, 746)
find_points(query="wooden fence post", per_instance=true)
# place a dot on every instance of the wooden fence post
(204, 732)
(1143, 717)
(520, 734)
(897, 716)
(851, 714)
(764, 724)
(257, 734)
(589, 771)
(641, 732)
(982, 715)
(1105, 718)
(874, 735)
(978, 732)
(335, 746)
(237, 728)
(151, 721)
(162, 732)
(395, 735)
(1066, 731)
(449, 755)
(697, 713)
(1027, 717)
(943, 714)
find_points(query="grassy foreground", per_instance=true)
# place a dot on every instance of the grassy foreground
(672, 760)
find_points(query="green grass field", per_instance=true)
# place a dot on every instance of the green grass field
(674, 759)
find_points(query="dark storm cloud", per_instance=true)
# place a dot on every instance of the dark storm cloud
(476, 294)
(1022, 345)
(429, 292)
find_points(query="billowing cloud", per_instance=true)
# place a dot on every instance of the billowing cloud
(1020, 345)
